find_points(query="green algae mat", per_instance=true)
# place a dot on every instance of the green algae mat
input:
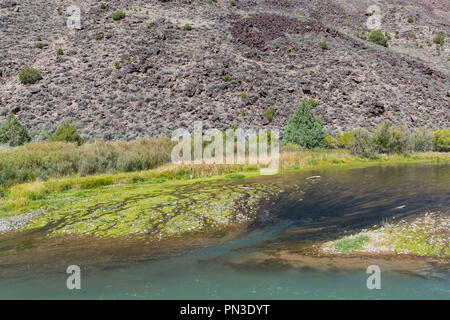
(154, 210)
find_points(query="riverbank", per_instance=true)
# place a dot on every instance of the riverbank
(21, 198)
(426, 235)
(167, 202)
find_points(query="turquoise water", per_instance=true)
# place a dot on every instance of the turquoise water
(341, 201)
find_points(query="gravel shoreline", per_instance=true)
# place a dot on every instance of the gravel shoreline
(17, 222)
(425, 235)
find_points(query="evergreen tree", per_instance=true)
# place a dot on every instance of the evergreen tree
(13, 133)
(377, 37)
(66, 132)
(304, 129)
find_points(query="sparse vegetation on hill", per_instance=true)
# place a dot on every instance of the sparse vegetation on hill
(29, 75)
(439, 38)
(118, 15)
(270, 113)
(261, 50)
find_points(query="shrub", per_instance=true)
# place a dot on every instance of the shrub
(421, 140)
(99, 36)
(377, 37)
(13, 133)
(103, 5)
(29, 75)
(304, 129)
(343, 139)
(410, 19)
(227, 77)
(117, 65)
(66, 132)
(59, 52)
(311, 102)
(330, 142)
(441, 140)
(439, 39)
(118, 15)
(187, 26)
(269, 113)
(324, 45)
(44, 160)
(389, 139)
(39, 45)
(361, 144)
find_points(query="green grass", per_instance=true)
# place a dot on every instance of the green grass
(235, 176)
(349, 244)
(426, 235)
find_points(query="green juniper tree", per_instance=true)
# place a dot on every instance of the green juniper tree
(66, 132)
(13, 133)
(377, 37)
(304, 129)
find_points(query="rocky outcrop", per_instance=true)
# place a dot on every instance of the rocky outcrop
(148, 75)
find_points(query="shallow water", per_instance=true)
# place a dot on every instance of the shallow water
(248, 268)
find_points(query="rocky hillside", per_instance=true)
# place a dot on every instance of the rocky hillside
(169, 63)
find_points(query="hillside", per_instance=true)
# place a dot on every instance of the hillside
(149, 73)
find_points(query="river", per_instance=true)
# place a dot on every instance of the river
(255, 265)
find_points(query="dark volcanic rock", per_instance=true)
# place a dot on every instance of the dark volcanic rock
(226, 70)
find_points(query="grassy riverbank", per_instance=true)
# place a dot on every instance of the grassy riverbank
(35, 195)
(425, 235)
(167, 201)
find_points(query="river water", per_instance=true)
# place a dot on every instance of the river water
(254, 266)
